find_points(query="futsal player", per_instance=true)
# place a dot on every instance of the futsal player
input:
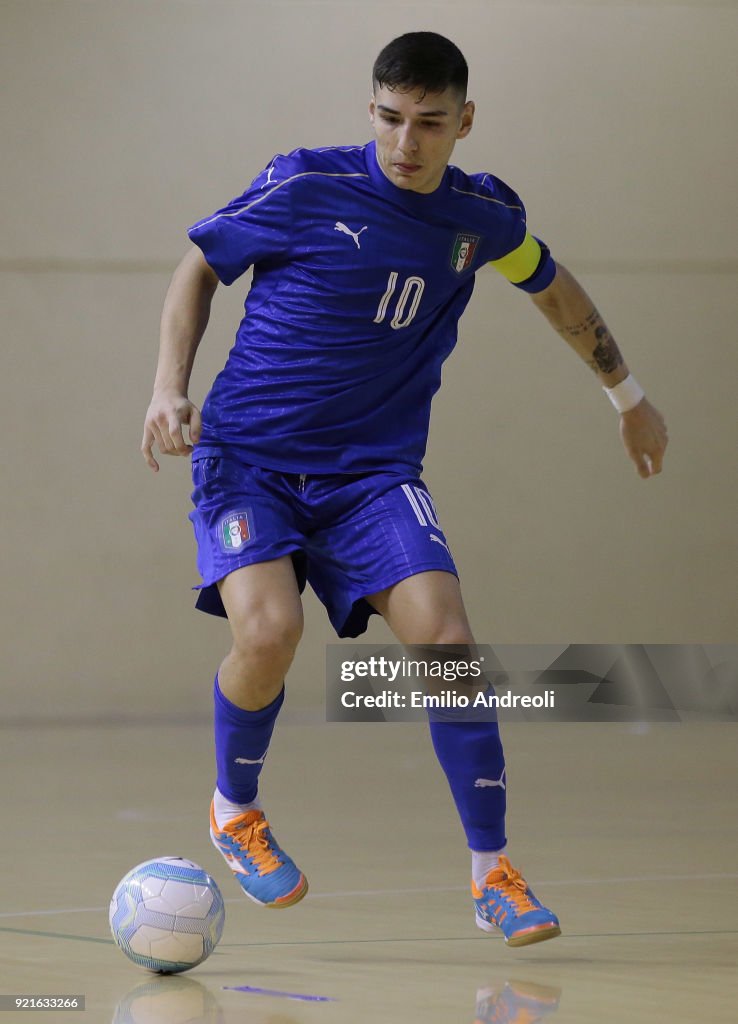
(307, 458)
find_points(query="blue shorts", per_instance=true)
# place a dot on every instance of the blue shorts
(349, 536)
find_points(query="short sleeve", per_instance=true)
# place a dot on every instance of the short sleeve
(252, 228)
(520, 257)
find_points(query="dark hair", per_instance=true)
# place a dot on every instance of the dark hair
(421, 60)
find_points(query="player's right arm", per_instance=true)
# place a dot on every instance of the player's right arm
(183, 321)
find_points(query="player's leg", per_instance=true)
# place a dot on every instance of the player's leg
(427, 608)
(247, 536)
(264, 611)
(388, 533)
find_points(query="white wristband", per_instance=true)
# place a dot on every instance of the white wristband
(626, 395)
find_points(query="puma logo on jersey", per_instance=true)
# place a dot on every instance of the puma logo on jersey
(347, 231)
(269, 177)
(480, 783)
(439, 541)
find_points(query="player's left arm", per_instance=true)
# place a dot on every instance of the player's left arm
(572, 313)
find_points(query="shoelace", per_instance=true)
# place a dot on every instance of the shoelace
(512, 884)
(253, 837)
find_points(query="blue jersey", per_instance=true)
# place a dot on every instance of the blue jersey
(357, 291)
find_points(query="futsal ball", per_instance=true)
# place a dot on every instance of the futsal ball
(167, 915)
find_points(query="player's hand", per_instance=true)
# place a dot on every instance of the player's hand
(168, 413)
(644, 435)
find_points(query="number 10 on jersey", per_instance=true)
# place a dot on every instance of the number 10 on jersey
(407, 303)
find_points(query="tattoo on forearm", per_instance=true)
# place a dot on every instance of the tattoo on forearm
(605, 355)
(574, 330)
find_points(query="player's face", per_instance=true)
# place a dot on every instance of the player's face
(416, 134)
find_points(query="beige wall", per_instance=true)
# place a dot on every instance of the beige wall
(125, 121)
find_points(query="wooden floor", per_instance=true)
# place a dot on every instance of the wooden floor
(629, 833)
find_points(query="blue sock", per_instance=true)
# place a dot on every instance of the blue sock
(241, 744)
(470, 753)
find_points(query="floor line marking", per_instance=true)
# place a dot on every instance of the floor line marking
(385, 940)
(56, 935)
(51, 913)
(252, 990)
(560, 882)
(472, 938)
(339, 893)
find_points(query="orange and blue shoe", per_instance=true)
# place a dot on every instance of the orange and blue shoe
(263, 870)
(506, 902)
(517, 1002)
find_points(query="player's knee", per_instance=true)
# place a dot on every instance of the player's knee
(267, 638)
(445, 632)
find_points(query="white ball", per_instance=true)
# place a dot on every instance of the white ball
(167, 915)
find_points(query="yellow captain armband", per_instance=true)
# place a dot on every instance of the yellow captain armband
(521, 263)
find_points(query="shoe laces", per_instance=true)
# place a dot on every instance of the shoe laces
(252, 832)
(511, 884)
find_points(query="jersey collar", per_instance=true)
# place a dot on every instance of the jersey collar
(415, 201)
